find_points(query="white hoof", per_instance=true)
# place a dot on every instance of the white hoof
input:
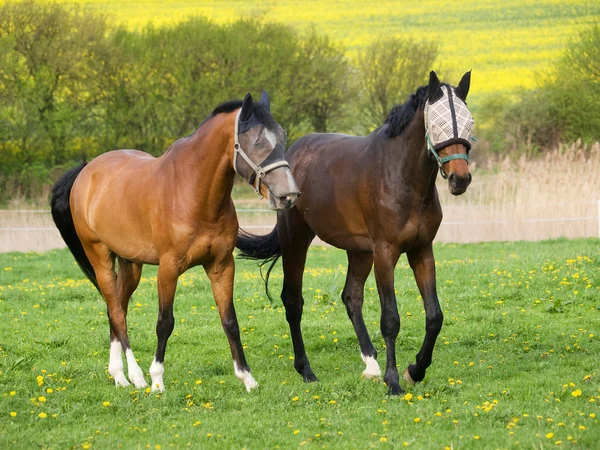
(246, 378)
(135, 373)
(158, 387)
(372, 370)
(120, 380)
(408, 378)
(137, 377)
(156, 372)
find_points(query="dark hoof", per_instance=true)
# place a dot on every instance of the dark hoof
(309, 377)
(395, 390)
(414, 374)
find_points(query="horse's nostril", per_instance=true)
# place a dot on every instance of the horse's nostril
(452, 178)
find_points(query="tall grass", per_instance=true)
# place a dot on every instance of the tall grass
(555, 195)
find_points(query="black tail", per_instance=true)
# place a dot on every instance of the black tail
(265, 248)
(61, 213)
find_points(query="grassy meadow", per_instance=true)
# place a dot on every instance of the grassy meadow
(516, 364)
(505, 42)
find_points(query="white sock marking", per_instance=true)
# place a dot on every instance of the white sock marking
(156, 372)
(135, 373)
(115, 364)
(372, 370)
(246, 377)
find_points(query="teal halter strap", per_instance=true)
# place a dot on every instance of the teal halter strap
(445, 159)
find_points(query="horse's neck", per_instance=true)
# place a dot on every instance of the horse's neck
(203, 168)
(406, 159)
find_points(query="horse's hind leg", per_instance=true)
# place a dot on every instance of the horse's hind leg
(294, 239)
(128, 278)
(359, 267)
(221, 274)
(423, 265)
(385, 259)
(103, 262)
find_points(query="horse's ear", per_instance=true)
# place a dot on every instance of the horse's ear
(463, 87)
(434, 87)
(264, 100)
(247, 107)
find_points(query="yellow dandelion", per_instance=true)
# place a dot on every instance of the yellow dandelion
(576, 393)
(106, 403)
(593, 416)
(476, 437)
(332, 402)
(85, 446)
(558, 443)
(13, 414)
(417, 419)
(382, 439)
(549, 435)
(42, 415)
(296, 431)
(295, 399)
(408, 397)
(198, 382)
(41, 399)
(49, 390)
(13, 393)
(581, 427)
(40, 380)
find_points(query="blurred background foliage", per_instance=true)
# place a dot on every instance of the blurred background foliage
(73, 85)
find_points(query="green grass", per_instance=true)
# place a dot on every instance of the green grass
(516, 364)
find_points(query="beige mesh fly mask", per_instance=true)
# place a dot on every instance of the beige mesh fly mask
(447, 121)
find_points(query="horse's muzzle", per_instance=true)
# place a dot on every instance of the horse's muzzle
(458, 184)
(282, 202)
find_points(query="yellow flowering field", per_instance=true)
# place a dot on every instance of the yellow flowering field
(505, 42)
(515, 366)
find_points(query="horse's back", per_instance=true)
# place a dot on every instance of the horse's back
(329, 170)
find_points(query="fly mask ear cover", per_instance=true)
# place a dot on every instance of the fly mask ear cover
(447, 121)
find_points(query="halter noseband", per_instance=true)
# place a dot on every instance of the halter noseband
(452, 140)
(259, 171)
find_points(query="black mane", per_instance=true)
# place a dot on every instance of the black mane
(258, 110)
(401, 115)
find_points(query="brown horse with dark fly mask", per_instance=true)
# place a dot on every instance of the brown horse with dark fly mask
(375, 197)
(175, 211)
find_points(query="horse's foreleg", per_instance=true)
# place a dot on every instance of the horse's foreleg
(359, 267)
(167, 284)
(221, 278)
(423, 265)
(385, 259)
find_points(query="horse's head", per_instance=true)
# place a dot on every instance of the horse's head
(448, 125)
(259, 153)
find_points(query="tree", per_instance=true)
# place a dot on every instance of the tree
(389, 70)
(52, 56)
(322, 83)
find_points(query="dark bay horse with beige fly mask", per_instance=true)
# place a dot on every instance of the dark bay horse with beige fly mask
(175, 211)
(375, 197)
